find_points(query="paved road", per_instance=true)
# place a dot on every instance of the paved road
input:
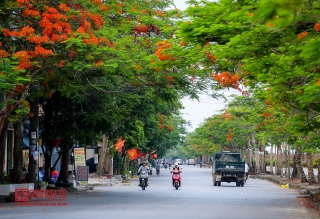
(197, 198)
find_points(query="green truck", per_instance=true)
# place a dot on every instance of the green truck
(228, 167)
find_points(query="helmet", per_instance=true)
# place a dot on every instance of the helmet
(176, 164)
(144, 162)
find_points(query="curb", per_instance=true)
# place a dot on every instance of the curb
(312, 193)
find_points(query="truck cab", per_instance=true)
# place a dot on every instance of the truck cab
(228, 167)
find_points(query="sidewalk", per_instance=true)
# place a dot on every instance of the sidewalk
(306, 191)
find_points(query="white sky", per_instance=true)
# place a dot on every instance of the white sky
(180, 4)
(196, 111)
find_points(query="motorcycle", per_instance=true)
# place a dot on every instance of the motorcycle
(170, 164)
(165, 166)
(158, 170)
(200, 164)
(176, 179)
(143, 179)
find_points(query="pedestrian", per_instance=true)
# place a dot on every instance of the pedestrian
(246, 170)
(54, 175)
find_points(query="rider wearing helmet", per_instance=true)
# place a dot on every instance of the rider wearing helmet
(176, 167)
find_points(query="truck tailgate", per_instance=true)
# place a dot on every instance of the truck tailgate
(230, 167)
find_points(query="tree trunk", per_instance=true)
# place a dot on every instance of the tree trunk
(103, 155)
(288, 161)
(263, 160)
(4, 121)
(65, 150)
(299, 165)
(271, 160)
(34, 122)
(17, 152)
(319, 171)
(257, 153)
(294, 168)
(47, 159)
(279, 161)
(249, 156)
(46, 136)
(242, 154)
(311, 177)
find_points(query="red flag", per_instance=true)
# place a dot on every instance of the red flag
(57, 142)
(120, 144)
(133, 153)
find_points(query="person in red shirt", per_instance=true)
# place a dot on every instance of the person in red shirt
(176, 167)
(54, 175)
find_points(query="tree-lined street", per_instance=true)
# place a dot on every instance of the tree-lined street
(197, 198)
(97, 87)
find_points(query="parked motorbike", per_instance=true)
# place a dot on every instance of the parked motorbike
(158, 170)
(143, 179)
(176, 179)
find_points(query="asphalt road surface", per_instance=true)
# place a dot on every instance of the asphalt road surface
(197, 198)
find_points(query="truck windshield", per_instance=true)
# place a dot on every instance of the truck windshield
(228, 157)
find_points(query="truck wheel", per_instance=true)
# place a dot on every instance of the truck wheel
(214, 183)
(219, 183)
(242, 183)
(238, 183)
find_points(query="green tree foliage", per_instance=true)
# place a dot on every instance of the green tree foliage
(96, 67)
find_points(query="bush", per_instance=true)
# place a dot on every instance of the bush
(315, 163)
(274, 161)
(253, 161)
(285, 164)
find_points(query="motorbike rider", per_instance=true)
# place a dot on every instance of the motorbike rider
(153, 163)
(144, 167)
(176, 167)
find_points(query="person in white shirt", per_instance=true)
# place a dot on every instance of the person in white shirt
(246, 170)
(144, 167)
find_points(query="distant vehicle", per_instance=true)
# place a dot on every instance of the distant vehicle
(179, 161)
(191, 162)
